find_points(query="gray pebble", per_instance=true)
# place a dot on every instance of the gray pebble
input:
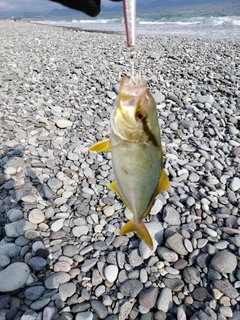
(131, 288)
(88, 315)
(54, 280)
(191, 275)
(164, 302)
(99, 309)
(175, 242)
(34, 293)
(171, 216)
(40, 304)
(167, 254)
(66, 290)
(37, 263)
(224, 262)
(226, 288)
(148, 297)
(48, 313)
(14, 277)
(174, 284)
(88, 264)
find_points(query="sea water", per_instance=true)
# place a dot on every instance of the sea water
(214, 20)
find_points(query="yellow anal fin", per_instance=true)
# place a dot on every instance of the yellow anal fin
(163, 183)
(140, 230)
(100, 146)
(114, 187)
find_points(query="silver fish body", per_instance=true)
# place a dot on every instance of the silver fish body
(137, 160)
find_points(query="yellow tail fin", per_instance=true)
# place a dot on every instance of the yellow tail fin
(140, 230)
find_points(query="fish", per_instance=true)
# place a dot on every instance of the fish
(136, 150)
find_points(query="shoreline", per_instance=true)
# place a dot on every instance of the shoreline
(61, 255)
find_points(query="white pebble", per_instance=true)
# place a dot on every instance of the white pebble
(111, 272)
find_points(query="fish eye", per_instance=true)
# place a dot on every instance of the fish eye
(140, 115)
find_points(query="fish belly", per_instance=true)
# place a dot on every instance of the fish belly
(137, 169)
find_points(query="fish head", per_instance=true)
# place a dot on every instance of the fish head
(135, 117)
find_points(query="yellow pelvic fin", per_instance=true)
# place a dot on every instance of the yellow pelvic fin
(163, 183)
(140, 230)
(100, 146)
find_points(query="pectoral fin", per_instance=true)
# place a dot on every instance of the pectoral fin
(140, 230)
(100, 146)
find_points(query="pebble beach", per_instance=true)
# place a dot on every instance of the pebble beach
(61, 257)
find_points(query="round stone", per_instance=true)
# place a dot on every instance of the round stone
(55, 279)
(171, 216)
(87, 315)
(63, 123)
(14, 276)
(224, 262)
(191, 275)
(37, 263)
(235, 184)
(14, 215)
(165, 302)
(66, 290)
(148, 297)
(111, 273)
(57, 225)
(36, 216)
(54, 184)
(34, 293)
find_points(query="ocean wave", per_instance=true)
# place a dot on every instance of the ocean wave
(168, 22)
(214, 21)
(96, 21)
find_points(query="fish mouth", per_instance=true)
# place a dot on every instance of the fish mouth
(131, 88)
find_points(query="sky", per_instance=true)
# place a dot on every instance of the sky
(45, 5)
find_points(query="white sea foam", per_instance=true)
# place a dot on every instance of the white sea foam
(217, 21)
